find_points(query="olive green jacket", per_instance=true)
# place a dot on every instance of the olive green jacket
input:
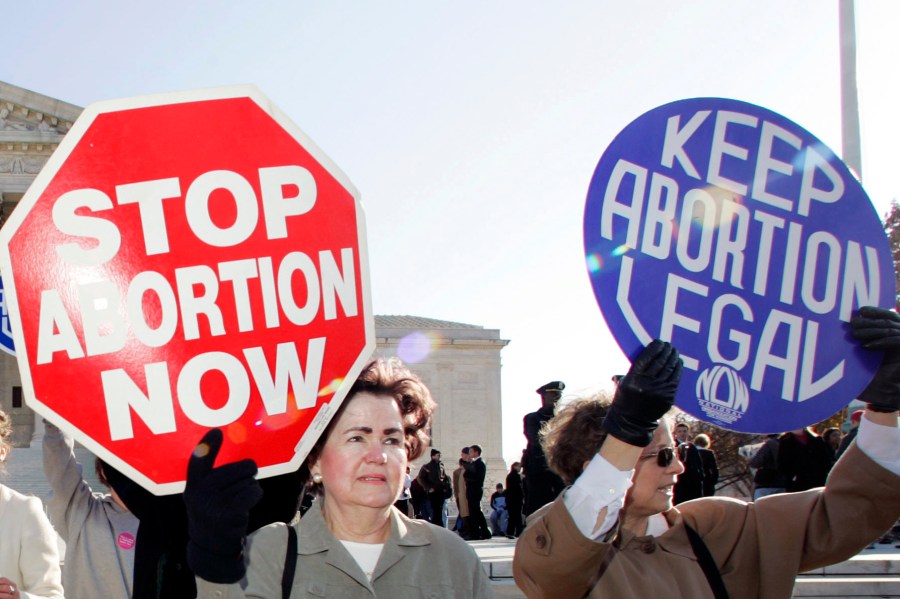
(418, 560)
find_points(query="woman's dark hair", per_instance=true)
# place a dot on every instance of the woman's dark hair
(391, 377)
(574, 435)
(100, 471)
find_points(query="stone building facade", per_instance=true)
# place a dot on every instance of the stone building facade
(459, 362)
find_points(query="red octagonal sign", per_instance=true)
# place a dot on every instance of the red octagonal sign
(188, 261)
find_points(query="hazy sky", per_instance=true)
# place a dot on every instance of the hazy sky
(472, 129)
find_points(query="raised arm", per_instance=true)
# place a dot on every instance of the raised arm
(564, 545)
(68, 506)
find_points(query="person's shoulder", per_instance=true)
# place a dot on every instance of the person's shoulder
(271, 534)
(441, 538)
(11, 497)
(709, 513)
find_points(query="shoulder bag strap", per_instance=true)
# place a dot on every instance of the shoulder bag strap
(601, 569)
(290, 564)
(710, 570)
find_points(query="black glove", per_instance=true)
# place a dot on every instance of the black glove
(644, 395)
(879, 328)
(218, 502)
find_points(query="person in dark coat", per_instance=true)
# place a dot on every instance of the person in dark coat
(804, 460)
(433, 478)
(767, 480)
(543, 485)
(474, 477)
(855, 417)
(710, 465)
(690, 482)
(515, 498)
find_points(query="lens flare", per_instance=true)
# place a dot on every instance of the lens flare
(621, 250)
(594, 263)
(237, 433)
(330, 388)
(416, 346)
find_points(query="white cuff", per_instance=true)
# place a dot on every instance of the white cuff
(881, 443)
(601, 485)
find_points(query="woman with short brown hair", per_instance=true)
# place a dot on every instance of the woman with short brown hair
(352, 542)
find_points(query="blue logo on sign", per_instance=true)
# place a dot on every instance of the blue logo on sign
(6, 340)
(737, 235)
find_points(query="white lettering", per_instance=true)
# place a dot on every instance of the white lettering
(154, 407)
(69, 222)
(766, 358)
(855, 286)
(631, 211)
(191, 399)
(742, 340)
(149, 196)
(657, 237)
(274, 390)
(276, 207)
(765, 164)
(55, 330)
(827, 241)
(196, 206)
(720, 148)
(700, 208)
(104, 325)
(672, 318)
(673, 143)
(809, 192)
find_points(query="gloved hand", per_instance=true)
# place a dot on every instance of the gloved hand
(218, 502)
(645, 394)
(879, 328)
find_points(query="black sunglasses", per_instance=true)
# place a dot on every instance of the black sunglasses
(664, 457)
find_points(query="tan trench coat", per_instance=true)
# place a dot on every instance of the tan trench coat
(759, 547)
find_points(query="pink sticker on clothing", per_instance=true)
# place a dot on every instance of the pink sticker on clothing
(126, 540)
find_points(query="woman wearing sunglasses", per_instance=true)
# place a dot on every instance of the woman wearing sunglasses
(615, 533)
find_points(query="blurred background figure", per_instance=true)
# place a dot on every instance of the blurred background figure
(459, 493)
(515, 498)
(804, 460)
(709, 463)
(542, 485)
(29, 554)
(690, 482)
(402, 502)
(833, 437)
(767, 480)
(851, 434)
(499, 513)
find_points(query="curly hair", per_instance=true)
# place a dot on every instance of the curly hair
(391, 377)
(574, 435)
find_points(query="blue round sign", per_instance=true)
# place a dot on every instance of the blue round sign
(738, 236)
(6, 339)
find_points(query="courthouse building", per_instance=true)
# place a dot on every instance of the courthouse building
(459, 362)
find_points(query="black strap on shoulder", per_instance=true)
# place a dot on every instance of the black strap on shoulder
(710, 570)
(601, 569)
(290, 564)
